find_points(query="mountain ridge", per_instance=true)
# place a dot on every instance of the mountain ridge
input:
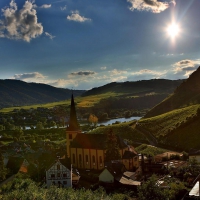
(19, 93)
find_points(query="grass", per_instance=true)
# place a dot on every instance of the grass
(178, 128)
(87, 101)
(124, 130)
(161, 125)
(149, 150)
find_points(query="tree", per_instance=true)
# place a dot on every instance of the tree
(103, 116)
(150, 190)
(112, 148)
(3, 170)
(52, 124)
(93, 120)
(1, 127)
(39, 126)
(19, 133)
(127, 114)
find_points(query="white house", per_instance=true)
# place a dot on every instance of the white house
(58, 174)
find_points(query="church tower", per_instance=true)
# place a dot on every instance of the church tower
(73, 128)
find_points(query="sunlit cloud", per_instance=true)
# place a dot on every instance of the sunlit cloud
(75, 16)
(154, 6)
(26, 76)
(117, 72)
(185, 67)
(49, 35)
(69, 83)
(20, 24)
(45, 6)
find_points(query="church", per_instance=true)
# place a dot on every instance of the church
(87, 151)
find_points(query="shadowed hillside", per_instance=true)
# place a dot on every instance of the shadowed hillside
(139, 88)
(188, 93)
(19, 93)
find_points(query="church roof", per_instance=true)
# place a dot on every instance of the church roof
(94, 141)
(73, 123)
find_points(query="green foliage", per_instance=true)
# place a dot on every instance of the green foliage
(39, 126)
(172, 128)
(3, 170)
(150, 190)
(149, 150)
(124, 130)
(112, 148)
(29, 190)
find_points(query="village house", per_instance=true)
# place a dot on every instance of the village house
(58, 174)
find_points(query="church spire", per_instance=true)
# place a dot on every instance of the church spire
(73, 123)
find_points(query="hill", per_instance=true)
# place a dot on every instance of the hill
(133, 96)
(177, 129)
(188, 93)
(175, 122)
(137, 88)
(19, 93)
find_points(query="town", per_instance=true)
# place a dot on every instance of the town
(87, 160)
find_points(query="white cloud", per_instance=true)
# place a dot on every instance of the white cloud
(20, 24)
(49, 35)
(75, 16)
(145, 74)
(154, 6)
(115, 72)
(185, 67)
(65, 83)
(147, 71)
(27, 76)
(103, 68)
(63, 8)
(45, 6)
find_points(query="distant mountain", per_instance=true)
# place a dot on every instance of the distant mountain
(140, 88)
(188, 93)
(19, 93)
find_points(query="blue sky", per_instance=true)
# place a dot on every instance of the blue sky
(83, 44)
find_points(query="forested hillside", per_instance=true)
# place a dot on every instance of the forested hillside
(176, 120)
(188, 93)
(19, 93)
(137, 88)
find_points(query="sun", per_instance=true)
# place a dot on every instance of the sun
(173, 30)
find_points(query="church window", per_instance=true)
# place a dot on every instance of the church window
(86, 159)
(64, 175)
(80, 158)
(93, 160)
(100, 160)
(58, 174)
(74, 160)
(52, 175)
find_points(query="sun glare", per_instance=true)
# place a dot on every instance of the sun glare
(173, 30)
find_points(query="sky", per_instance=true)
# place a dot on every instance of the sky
(82, 44)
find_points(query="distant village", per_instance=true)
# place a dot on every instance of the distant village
(94, 160)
